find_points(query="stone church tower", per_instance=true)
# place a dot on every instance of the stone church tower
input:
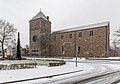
(40, 30)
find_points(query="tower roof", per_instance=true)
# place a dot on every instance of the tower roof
(39, 15)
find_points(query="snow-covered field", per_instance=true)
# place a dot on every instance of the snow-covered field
(41, 71)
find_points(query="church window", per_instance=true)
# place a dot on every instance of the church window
(80, 34)
(70, 35)
(62, 50)
(91, 33)
(78, 48)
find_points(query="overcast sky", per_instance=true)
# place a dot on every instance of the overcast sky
(63, 13)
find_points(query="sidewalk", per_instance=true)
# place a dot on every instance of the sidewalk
(49, 76)
(40, 72)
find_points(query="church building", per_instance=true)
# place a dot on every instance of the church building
(83, 41)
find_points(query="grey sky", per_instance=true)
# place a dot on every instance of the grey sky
(63, 13)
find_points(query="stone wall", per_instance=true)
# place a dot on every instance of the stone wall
(41, 29)
(94, 45)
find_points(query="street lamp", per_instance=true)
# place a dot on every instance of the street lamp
(76, 54)
(63, 51)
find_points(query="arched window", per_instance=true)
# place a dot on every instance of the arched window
(78, 48)
(62, 50)
(80, 34)
(91, 33)
(70, 35)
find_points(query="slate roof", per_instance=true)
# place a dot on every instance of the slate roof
(39, 15)
(97, 25)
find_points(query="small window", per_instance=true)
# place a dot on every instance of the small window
(78, 48)
(54, 37)
(61, 36)
(91, 33)
(80, 34)
(62, 49)
(70, 35)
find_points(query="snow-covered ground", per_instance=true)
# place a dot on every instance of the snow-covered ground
(41, 71)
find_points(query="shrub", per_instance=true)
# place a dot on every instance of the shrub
(12, 58)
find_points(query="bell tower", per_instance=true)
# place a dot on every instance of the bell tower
(39, 32)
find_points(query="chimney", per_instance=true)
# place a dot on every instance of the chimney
(47, 17)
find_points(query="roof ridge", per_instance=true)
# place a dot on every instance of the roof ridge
(83, 27)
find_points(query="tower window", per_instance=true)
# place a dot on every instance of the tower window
(80, 34)
(70, 35)
(91, 33)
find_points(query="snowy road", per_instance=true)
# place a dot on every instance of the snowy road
(92, 76)
(93, 72)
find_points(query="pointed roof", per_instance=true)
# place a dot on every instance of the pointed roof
(39, 15)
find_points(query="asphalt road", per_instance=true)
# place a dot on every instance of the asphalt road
(100, 74)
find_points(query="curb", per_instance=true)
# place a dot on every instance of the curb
(41, 77)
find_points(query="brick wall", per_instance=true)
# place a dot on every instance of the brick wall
(42, 30)
(95, 45)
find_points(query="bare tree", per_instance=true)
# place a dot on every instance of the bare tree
(116, 39)
(7, 33)
(12, 45)
(115, 43)
(117, 36)
(117, 32)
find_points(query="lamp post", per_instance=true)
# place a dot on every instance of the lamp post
(76, 54)
(63, 50)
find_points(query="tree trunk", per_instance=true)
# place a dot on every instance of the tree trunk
(3, 52)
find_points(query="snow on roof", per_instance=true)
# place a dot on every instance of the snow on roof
(39, 15)
(83, 27)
